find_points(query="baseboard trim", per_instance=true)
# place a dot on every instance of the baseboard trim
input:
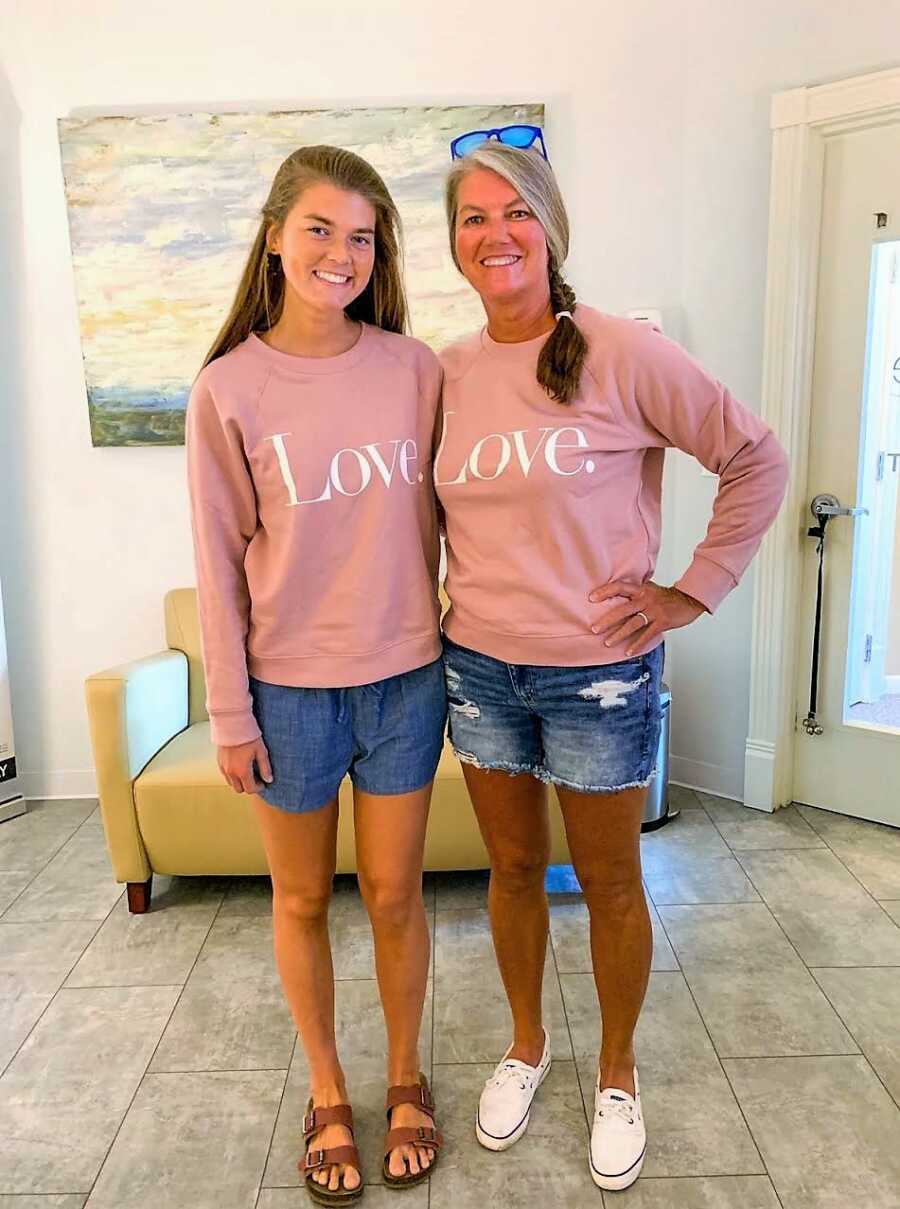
(62, 783)
(706, 778)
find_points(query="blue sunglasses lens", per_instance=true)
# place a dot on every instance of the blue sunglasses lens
(518, 136)
(468, 142)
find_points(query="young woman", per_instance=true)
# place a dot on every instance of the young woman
(309, 435)
(549, 469)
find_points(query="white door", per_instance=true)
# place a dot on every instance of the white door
(853, 765)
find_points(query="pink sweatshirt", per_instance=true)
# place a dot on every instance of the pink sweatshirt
(314, 523)
(545, 502)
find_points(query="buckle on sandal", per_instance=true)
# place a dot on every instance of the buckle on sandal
(424, 1134)
(309, 1122)
(314, 1158)
(425, 1097)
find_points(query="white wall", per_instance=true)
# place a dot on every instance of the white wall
(658, 129)
(892, 660)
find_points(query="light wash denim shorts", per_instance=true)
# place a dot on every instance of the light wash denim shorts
(594, 729)
(388, 736)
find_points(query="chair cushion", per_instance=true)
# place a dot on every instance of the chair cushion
(192, 823)
(189, 819)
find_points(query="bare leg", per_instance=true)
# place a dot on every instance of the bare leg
(390, 842)
(603, 831)
(512, 815)
(300, 848)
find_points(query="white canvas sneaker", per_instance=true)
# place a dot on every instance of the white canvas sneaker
(618, 1137)
(505, 1105)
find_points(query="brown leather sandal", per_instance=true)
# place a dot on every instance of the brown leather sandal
(316, 1160)
(422, 1135)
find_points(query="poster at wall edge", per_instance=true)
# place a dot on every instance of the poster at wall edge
(11, 800)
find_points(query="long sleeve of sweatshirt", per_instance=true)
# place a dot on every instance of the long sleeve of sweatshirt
(692, 411)
(224, 520)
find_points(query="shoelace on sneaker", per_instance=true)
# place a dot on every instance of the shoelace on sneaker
(616, 1106)
(507, 1072)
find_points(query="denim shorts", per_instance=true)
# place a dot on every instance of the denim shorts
(388, 736)
(594, 729)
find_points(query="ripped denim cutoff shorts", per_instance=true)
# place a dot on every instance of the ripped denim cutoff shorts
(593, 729)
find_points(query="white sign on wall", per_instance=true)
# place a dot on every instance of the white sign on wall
(10, 794)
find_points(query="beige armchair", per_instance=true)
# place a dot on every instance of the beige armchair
(165, 806)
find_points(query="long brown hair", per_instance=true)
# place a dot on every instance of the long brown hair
(562, 355)
(259, 299)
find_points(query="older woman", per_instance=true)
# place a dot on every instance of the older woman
(549, 470)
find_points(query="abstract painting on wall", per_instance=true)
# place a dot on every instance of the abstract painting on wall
(162, 211)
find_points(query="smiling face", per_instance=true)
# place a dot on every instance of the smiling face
(500, 245)
(327, 246)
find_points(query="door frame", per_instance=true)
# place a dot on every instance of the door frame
(802, 121)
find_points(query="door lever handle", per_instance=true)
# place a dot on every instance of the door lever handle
(830, 505)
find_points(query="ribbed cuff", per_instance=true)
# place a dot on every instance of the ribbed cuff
(228, 730)
(707, 582)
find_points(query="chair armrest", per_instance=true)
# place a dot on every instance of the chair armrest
(133, 711)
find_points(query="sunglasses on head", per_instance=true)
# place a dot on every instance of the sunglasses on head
(512, 136)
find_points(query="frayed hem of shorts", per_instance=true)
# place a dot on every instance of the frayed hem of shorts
(554, 780)
(548, 778)
(466, 757)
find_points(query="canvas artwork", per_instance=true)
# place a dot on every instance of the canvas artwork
(162, 211)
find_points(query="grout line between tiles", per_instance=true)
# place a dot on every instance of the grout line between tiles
(52, 999)
(562, 1000)
(162, 1033)
(702, 1019)
(13, 902)
(866, 966)
(837, 856)
(737, 848)
(730, 902)
(222, 1070)
(840, 1053)
(781, 926)
(794, 947)
(66, 919)
(268, 1155)
(117, 986)
(780, 847)
(862, 1054)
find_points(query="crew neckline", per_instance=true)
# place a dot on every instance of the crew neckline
(517, 350)
(292, 363)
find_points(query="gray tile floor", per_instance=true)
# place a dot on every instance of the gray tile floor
(151, 1060)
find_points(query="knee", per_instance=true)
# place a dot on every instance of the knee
(389, 901)
(612, 890)
(303, 905)
(518, 872)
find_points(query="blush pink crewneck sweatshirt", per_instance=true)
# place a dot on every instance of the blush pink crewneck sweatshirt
(545, 502)
(315, 530)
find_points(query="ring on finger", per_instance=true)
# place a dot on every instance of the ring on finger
(641, 613)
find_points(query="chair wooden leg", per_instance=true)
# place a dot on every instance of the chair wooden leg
(139, 896)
